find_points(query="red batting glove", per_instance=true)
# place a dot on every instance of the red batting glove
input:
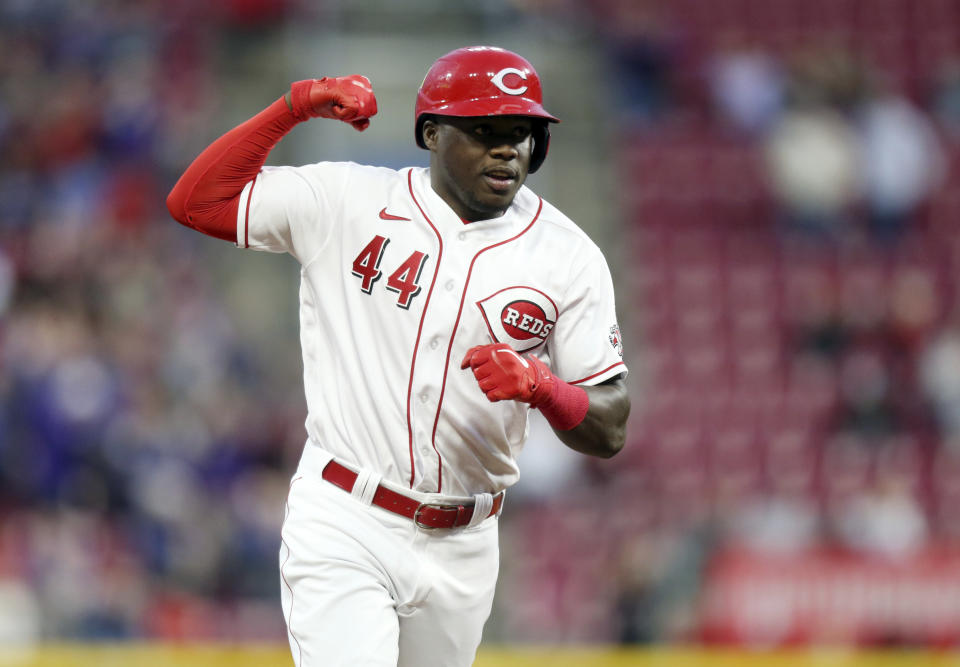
(503, 374)
(346, 98)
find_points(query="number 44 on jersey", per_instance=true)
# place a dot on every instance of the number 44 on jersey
(405, 281)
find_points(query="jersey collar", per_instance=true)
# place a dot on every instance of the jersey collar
(448, 221)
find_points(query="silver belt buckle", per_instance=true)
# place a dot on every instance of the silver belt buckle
(444, 508)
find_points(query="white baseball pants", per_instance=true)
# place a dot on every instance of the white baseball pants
(363, 587)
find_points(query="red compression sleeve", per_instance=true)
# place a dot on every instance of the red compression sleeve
(566, 406)
(207, 196)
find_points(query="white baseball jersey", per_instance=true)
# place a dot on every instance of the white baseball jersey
(395, 288)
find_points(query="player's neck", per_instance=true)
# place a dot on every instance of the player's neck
(467, 214)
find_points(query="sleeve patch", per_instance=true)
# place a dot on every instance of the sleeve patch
(615, 340)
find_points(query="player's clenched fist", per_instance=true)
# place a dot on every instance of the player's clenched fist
(346, 98)
(503, 374)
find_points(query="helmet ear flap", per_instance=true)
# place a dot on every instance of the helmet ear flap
(541, 143)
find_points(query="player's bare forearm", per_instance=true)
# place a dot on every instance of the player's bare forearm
(603, 431)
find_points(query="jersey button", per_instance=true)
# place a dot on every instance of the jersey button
(449, 286)
(424, 397)
(434, 344)
(462, 236)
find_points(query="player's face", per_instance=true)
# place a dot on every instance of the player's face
(478, 164)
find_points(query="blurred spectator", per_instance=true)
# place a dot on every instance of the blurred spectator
(19, 614)
(946, 95)
(747, 88)
(778, 523)
(866, 395)
(915, 306)
(901, 163)
(658, 577)
(638, 604)
(939, 371)
(885, 520)
(813, 158)
(7, 281)
(641, 44)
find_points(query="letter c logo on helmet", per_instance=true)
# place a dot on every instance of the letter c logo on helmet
(485, 81)
(497, 80)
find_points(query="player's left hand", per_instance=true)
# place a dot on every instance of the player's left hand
(505, 375)
(347, 98)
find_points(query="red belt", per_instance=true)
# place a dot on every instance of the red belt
(425, 515)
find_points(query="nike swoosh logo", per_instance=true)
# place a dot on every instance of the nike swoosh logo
(387, 216)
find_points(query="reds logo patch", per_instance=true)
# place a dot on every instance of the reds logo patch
(523, 317)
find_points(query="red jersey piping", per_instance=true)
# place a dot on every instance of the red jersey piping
(590, 377)
(446, 368)
(283, 575)
(423, 315)
(246, 214)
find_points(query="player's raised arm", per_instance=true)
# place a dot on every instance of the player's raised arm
(590, 420)
(207, 195)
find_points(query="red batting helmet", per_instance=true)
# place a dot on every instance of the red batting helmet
(485, 81)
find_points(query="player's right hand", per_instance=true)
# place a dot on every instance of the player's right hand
(347, 98)
(504, 375)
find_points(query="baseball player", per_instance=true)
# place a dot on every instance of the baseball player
(438, 306)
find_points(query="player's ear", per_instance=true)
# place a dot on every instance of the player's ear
(430, 133)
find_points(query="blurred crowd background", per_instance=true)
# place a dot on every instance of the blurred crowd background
(776, 184)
